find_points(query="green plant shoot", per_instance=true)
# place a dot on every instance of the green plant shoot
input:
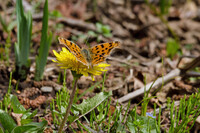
(45, 44)
(22, 47)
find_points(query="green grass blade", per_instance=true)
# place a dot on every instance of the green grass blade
(3, 23)
(44, 45)
(89, 89)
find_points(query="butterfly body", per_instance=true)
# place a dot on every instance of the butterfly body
(87, 55)
(91, 56)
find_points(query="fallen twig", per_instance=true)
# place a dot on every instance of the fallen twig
(157, 83)
(162, 80)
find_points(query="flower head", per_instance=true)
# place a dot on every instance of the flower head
(150, 115)
(67, 60)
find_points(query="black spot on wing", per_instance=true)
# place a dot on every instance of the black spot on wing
(96, 47)
(64, 40)
(102, 46)
(110, 44)
(101, 59)
(109, 50)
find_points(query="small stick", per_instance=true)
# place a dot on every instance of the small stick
(157, 83)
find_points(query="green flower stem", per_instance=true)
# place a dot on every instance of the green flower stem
(69, 105)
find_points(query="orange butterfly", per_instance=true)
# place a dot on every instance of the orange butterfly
(91, 56)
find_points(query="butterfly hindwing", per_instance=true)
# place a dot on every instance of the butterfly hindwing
(97, 58)
(74, 49)
(104, 49)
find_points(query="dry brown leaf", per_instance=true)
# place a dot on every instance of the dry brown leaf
(27, 103)
(29, 92)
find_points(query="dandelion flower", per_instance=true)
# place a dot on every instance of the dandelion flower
(67, 60)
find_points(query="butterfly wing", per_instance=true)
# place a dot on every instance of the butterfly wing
(101, 51)
(96, 59)
(74, 49)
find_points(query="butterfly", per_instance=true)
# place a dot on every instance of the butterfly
(91, 56)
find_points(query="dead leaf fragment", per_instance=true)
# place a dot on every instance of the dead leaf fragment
(17, 117)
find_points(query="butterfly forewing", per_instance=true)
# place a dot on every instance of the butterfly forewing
(104, 49)
(74, 49)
